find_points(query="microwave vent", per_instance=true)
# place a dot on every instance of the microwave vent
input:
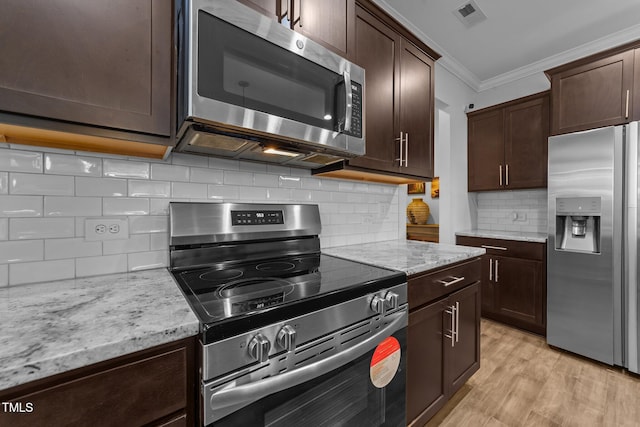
(217, 141)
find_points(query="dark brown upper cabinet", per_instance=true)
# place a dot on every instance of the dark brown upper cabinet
(399, 99)
(102, 64)
(507, 145)
(593, 92)
(327, 22)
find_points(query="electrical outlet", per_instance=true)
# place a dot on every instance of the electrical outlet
(106, 228)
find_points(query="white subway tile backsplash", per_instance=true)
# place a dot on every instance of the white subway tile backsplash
(207, 176)
(125, 169)
(125, 206)
(94, 266)
(237, 178)
(159, 242)
(189, 160)
(101, 187)
(166, 172)
(496, 210)
(20, 206)
(147, 260)
(4, 275)
(72, 206)
(149, 224)
(135, 243)
(222, 192)
(4, 182)
(66, 164)
(42, 215)
(21, 251)
(71, 248)
(41, 228)
(55, 185)
(189, 190)
(41, 271)
(147, 188)
(20, 161)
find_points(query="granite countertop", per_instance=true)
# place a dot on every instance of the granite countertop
(410, 256)
(522, 236)
(53, 327)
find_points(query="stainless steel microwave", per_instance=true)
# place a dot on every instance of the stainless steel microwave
(250, 88)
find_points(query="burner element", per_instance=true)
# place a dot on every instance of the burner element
(276, 266)
(221, 275)
(254, 287)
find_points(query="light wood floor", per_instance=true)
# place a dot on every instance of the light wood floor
(524, 382)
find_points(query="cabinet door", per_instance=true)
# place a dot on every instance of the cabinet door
(425, 358)
(266, 7)
(416, 110)
(463, 358)
(328, 22)
(525, 144)
(89, 62)
(485, 150)
(592, 95)
(377, 47)
(518, 289)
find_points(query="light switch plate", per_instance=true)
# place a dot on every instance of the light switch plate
(106, 228)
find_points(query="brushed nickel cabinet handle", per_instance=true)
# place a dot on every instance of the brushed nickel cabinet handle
(626, 111)
(406, 150)
(507, 175)
(496, 271)
(490, 269)
(457, 332)
(451, 311)
(500, 173)
(451, 282)
(401, 139)
(499, 248)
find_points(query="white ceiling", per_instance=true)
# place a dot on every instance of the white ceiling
(519, 37)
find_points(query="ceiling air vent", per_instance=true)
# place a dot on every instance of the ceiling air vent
(469, 13)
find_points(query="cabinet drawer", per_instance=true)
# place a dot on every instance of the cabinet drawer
(510, 248)
(137, 392)
(428, 287)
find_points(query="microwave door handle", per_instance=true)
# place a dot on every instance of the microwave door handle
(348, 98)
(236, 397)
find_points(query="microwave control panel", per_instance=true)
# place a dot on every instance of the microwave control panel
(356, 110)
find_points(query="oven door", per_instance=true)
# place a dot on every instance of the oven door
(363, 385)
(248, 72)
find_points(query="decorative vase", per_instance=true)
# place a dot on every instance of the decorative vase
(418, 212)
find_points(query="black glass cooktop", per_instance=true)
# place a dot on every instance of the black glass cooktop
(233, 298)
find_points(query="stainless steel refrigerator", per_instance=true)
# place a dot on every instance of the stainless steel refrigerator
(592, 247)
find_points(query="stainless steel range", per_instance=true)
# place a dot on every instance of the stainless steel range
(289, 336)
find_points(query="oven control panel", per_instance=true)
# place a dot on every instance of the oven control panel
(256, 217)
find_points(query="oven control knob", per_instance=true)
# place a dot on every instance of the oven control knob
(377, 304)
(259, 348)
(286, 338)
(391, 300)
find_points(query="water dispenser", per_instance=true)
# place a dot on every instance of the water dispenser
(578, 224)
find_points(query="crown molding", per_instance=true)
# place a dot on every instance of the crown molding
(599, 45)
(470, 79)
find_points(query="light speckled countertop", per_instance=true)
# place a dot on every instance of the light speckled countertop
(49, 328)
(410, 256)
(522, 236)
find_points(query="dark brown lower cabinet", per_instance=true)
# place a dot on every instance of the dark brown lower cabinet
(513, 282)
(443, 349)
(154, 387)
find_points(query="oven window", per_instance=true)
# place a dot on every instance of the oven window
(239, 68)
(344, 397)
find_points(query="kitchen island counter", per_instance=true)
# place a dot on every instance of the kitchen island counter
(410, 256)
(53, 327)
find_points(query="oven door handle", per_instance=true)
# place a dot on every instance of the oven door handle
(230, 398)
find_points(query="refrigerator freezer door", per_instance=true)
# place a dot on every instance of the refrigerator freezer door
(632, 245)
(584, 288)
